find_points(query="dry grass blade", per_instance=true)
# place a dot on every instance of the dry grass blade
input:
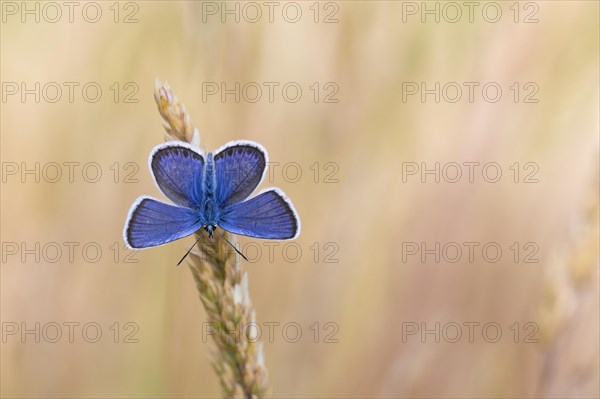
(238, 357)
(568, 286)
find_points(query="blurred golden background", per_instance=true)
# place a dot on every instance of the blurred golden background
(359, 212)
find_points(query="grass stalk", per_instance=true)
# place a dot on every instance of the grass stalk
(237, 358)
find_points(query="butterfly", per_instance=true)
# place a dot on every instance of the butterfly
(208, 193)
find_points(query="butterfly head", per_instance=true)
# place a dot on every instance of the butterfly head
(210, 228)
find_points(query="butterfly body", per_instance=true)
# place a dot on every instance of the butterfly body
(210, 192)
(209, 183)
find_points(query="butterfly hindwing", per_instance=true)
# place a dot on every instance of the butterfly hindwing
(268, 215)
(240, 167)
(151, 223)
(177, 170)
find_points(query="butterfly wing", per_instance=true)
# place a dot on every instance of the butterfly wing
(177, 169)
(268, 215)
(240, 167)
(151, 223)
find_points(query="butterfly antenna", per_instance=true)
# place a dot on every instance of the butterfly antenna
(190, 250)
(233, 246)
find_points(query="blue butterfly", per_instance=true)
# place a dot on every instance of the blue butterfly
(209, 192)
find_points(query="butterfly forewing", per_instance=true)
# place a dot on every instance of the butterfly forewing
(151, 223)
(268, 215)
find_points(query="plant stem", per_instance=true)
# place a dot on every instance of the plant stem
(222, 284)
